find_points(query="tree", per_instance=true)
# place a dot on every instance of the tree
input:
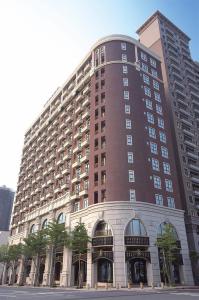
(4, 258)
(167, 245)
(57, 236)
(34, 245)
(14, 253)
(79, 244)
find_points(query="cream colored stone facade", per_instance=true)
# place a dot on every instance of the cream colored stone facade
(117, 215)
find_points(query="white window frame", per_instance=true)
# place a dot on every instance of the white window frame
(126, 95)
(125, 81)
(163, 137)
(128, 124)
(146, 79)
(127, 109)
(124, 57)
(132, 195)
(157, 182)
(154, 73)
(159, 199)
(166, 168)
(152, 132)
(147, 91)
(150, 117)
(123, 46)
(129, 140)
(85, 202)
(76, 206)
(164, 152)
(143, 56)
(130, 157)
(156, 85)
(157, 96)
(149, 104)
(160, 123)
(145, 67)
(169, 185)
(159, 109)
(154, 148)
(155, 164)
(131, 176)
(171, 202)
(125, 69)
(152, 62)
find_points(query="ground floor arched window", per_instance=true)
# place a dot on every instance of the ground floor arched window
(104, 270)
(137, 271)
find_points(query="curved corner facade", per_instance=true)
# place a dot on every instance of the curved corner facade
(101, 152)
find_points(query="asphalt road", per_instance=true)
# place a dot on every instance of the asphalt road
(28, 293)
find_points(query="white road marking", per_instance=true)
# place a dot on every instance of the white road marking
(7, 295)
(186, 294)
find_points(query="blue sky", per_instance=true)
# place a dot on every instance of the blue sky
(42, 41)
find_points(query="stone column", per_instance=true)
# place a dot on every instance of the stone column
(20, 279)
(153, 268)
(5, 274)
(119, 265)
(90, 268)
(65, 277)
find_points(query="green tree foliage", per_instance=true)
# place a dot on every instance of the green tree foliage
(168, 249)
(14, 253)
(79, 244)
(34, 245)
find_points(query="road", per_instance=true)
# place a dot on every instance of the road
(28, 293)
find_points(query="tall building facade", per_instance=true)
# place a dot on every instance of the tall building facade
(6, 202)
(101, 153)
(181, 81)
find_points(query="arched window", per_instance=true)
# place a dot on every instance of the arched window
(161, 230)
(61, 219)
(33, 228)
(135, 228)
(45, 224)
(103, 229)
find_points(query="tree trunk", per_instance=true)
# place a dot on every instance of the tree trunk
(52, 266)
(36, 273)
(79, 277)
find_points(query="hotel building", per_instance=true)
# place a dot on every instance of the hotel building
(101, 153)
(181, 81)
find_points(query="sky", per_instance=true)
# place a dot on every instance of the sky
(41, 43)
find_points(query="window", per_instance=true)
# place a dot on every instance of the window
(155, 164)
(164, 151)
(45, 224)
(159, 109)
(144, 67)
(147, 91)
(154, 73)
(128, 124)
(131, 176)
(168, 185)
(85, 203)
(154, 148)
(153, 62)
(146, 79)
(132, 196)
(166, 168)
(126, 95)
(61, 219)
(157, 182)
(150, 118)
(157, 97)
(143, 56)
(76, 206)
(129, 140)
(156, 85)
(127, 109)
(125, 82)
(130, 157)
(149, 104)
(124, 57)
(163, 138)
(171, 202)
(135, 228)
(158, 199)
(124, 69)
(160, 123)
(152, 133)
(123, 46)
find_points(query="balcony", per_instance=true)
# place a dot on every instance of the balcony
(137, 254)
(75, 195)
(67, 157)
(86, 90)
(79, 97)
(86, 114)
(86, 102)
(102, 254)
(85, 158)
(194, 167)
(85, 142)
(196, 192)
(195, 179)
(85, 128)
(84, 174)
(76, 179)
(78, 109)
(136, 240)
(67, 143)
(84, 192)
(78, 135)
(192, 155)
(190, 144)
(66, 171)
(76, 164)
(78, 121)
(102, 241)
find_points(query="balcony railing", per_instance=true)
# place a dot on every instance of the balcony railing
(102, 241)
(102, 254)
(137, 254)
(136, 240)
